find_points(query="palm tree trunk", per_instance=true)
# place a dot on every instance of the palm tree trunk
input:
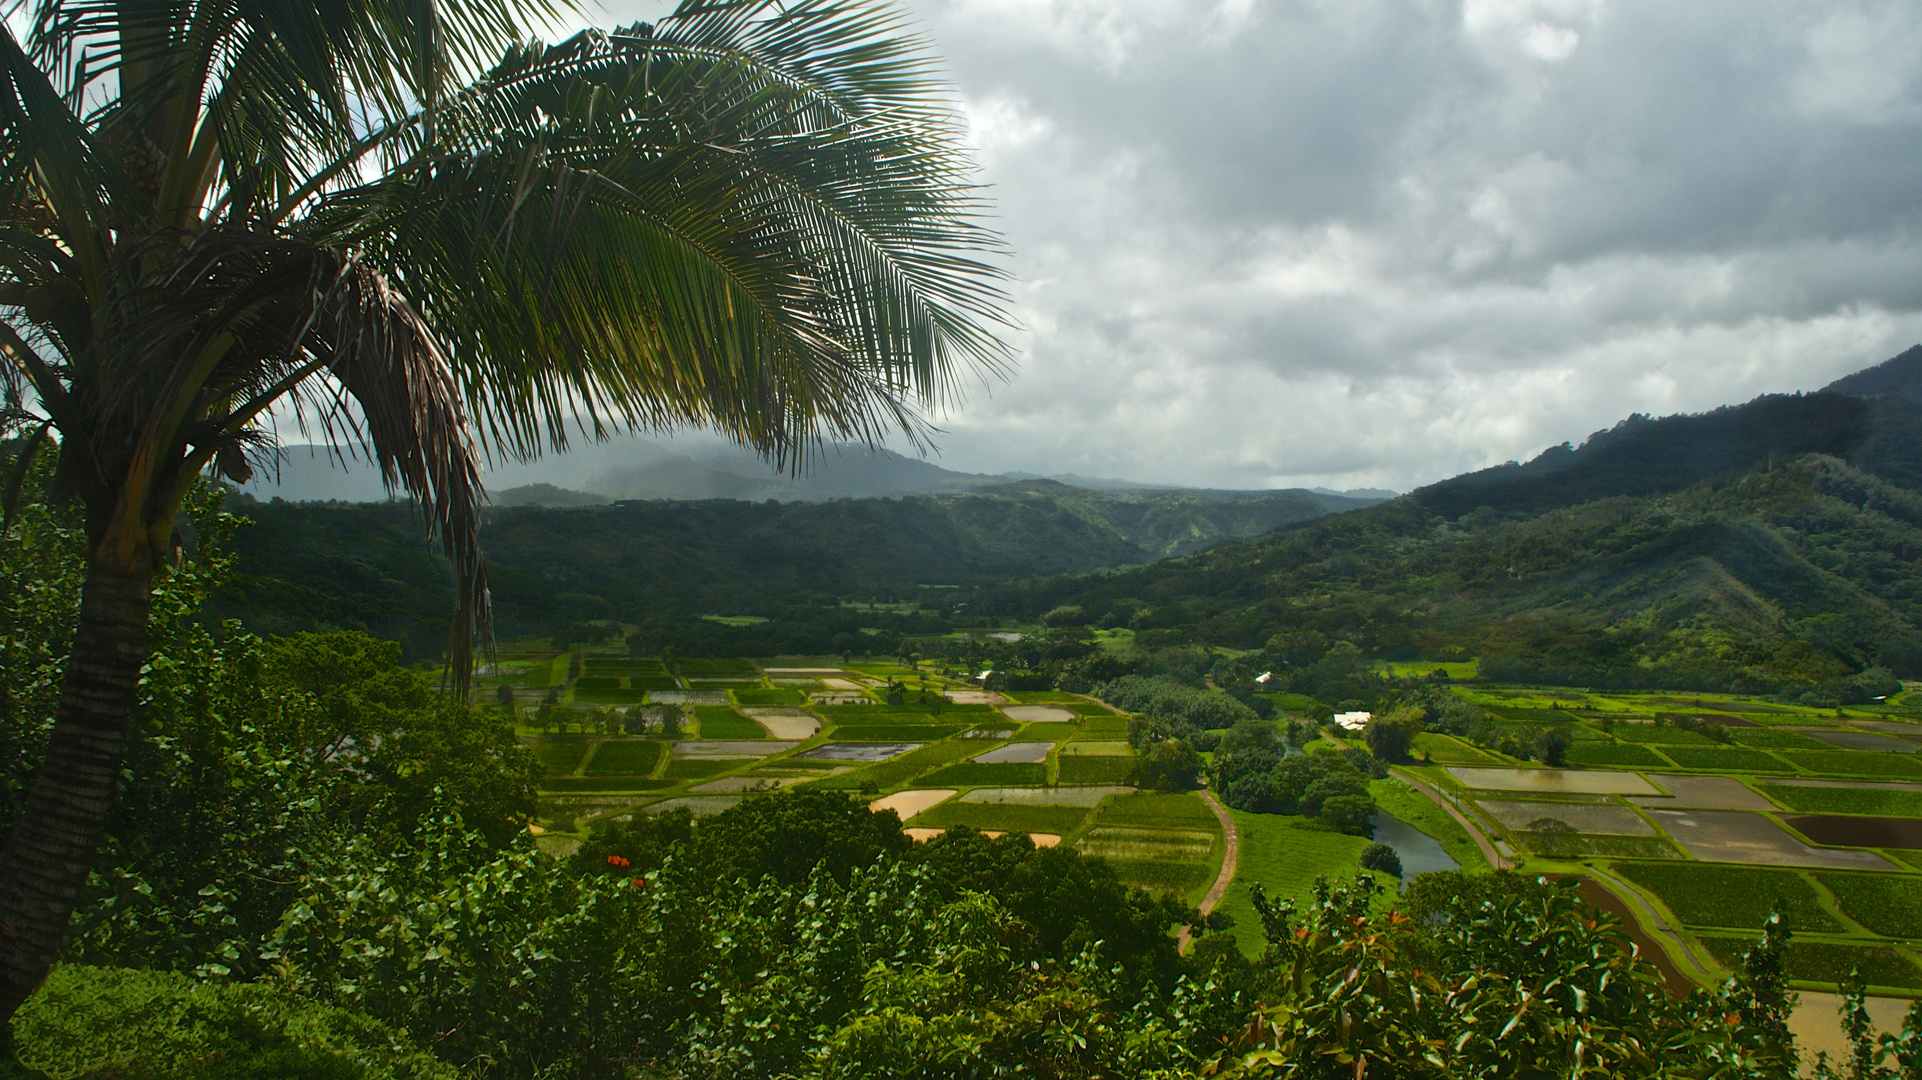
(46, 861)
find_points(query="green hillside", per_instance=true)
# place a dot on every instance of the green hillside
(367, 567)
(1792, 573)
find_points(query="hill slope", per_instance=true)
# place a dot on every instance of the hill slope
(366, 566)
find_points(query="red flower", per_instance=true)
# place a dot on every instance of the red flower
(639, 883)
(616, 860)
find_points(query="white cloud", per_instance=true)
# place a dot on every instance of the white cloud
(1378, 242)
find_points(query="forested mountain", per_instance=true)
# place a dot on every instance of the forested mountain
(1767, 545)
(365, 566)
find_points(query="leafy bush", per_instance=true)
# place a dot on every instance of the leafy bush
(1382, 858)
(1170, 765)
(1180, 709)
(152, 1025)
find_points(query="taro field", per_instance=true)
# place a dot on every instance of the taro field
(1698, 814)
(936, 752)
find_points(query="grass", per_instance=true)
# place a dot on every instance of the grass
(1856, 762)
(1701, 894)
(701, 768)
(1448, 750)
(1881, 802)
(1727, 759)
(1285, 855)
(1004, 817)
(1623, 755)
(1887, 904)
(779, 695)
(560, 758)
(989, 774)
(1096, 770)
(1418, 810)
(624, 758)
(721, 722)
(1828, 962)
(1182, 811)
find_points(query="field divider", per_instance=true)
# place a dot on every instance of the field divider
(1658, 925)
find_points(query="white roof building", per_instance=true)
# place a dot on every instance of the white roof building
(1353, 721)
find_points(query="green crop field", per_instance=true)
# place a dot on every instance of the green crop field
(1884, 903)
(1704, 894)
(700, 768)
(1096, 770)
(721, 722)
(1880, 802)
(1661, 735)
(1184, 811)
(1004, 817)
(1827, 963)
(561, 758)
(1856, 762)
(608, 697)
(989, 774)
(1730, 759)
(1774, 739)
(1163, 875)
(1622, 755)
(635, 757)
(763, 696)
(597, 682)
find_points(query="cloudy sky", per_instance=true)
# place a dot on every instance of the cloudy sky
(1378, 242)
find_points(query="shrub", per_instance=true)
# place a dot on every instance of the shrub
(1170, 765)
(1350, 814)
(1382, 858)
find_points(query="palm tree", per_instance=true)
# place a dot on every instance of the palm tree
(407, 231)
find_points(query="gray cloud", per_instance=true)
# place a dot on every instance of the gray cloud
(1356, 242)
